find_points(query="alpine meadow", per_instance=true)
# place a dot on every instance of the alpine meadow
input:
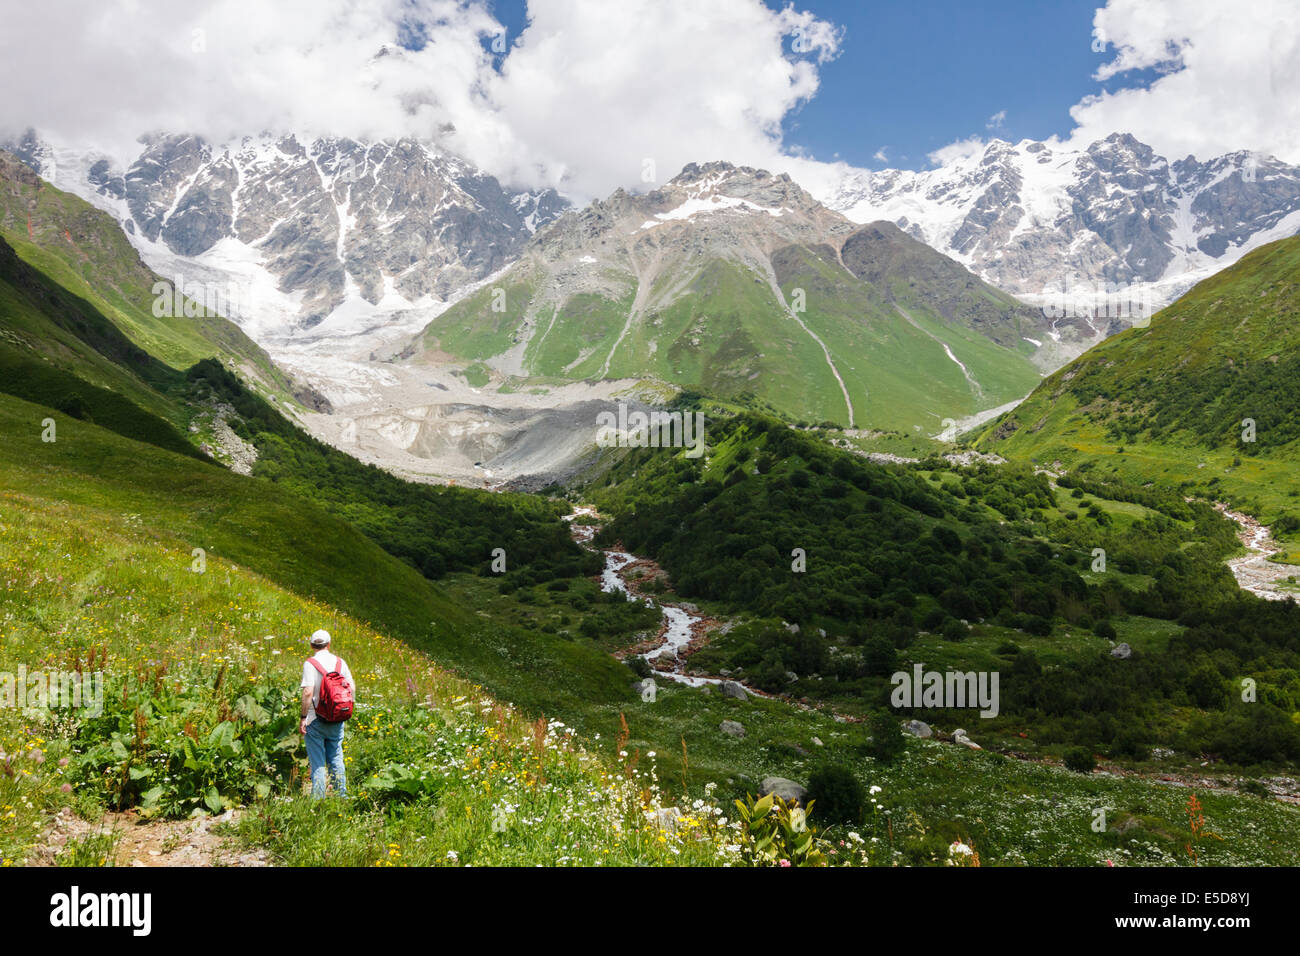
(754, 434)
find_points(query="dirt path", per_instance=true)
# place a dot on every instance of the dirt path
(140, 842)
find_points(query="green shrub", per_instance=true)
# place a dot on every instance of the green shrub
(1080, 760)
(887, 740)
(839, 796)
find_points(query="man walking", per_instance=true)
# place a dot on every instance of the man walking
(327, 697)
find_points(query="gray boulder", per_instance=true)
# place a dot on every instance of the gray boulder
(732, 728)
(731, 689)
(787, 790)
(917, 728)
(1121, 651)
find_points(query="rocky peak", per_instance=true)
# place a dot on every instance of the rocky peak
(1030, 217)
(382, 226)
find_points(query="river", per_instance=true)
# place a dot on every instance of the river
(680, 625)
(1255, 572)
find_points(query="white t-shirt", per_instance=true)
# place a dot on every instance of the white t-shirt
(312, 677)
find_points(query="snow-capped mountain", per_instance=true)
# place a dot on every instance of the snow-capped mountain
(318, 239)
(1033, 219)
(737, 280)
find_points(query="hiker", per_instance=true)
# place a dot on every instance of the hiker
(328, 693)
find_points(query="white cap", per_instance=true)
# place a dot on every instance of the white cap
(320, 638)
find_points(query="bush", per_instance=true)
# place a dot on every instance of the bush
(879, 656)
(887, 740)
(954, 630)
(838, 795)
(639, 666)
(1129, 744)
(1105, 629)
(1080, 760)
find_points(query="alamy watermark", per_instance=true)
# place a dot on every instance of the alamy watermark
(922, 688)
(1099, 300)
(46, 689)
(178, 299)
(655, 429)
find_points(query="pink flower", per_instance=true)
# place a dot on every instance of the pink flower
(63, 761)
(66, 788)
(1110, 862)
(785, 863)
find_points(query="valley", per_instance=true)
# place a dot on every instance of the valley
(257, 385)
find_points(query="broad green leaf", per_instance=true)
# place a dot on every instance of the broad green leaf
(213, 800)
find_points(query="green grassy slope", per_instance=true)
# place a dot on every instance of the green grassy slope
(58, 350)
(83, 250)
(727, 334)
(98, 534)
(201, 669)
(1168, 402)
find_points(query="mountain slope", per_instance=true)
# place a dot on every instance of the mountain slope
(1032, 217)
(736, 281)
(314, 238)
(1177, 396)
(84, 251)
(55, 349)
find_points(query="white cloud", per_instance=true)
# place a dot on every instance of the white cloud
(1226, 80)
(880, 156)
(110, 71)
(1230, 77)
(590, 89)
(962, 149)
(594, 89)
(586, 93)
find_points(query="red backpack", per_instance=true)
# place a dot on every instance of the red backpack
(335, 702)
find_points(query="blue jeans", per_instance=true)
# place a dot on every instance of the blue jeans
(325, 752)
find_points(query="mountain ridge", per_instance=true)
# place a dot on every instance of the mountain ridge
(1034, 217)
(730, 275)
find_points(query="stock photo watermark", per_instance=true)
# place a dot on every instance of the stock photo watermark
(1099, 300)
(946, 689)
(655, 429)
(177, 299)
(46, 690)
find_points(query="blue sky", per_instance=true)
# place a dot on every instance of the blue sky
(601, 87)
(913, 76)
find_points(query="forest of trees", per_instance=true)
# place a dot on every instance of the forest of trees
(894, 552)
